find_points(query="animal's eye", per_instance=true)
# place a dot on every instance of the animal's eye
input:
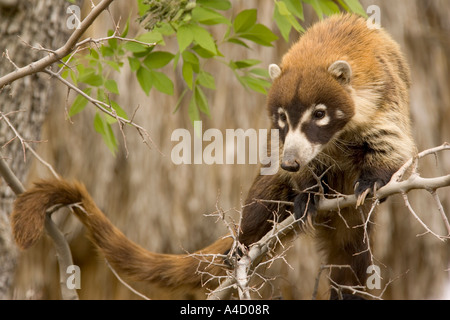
(319, 114)
(283, 117)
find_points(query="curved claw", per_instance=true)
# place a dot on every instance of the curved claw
(362, 198)
(365, 187)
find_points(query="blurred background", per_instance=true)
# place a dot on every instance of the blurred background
(160, 205)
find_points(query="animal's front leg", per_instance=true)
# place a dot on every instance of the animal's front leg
(305, 203)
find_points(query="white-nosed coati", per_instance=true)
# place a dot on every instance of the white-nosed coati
(340, 102)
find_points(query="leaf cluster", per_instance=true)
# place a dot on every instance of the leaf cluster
(191, 23)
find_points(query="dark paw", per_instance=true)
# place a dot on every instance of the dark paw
(365, 187)
(304, 206)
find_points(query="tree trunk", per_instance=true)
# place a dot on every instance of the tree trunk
(24, 102)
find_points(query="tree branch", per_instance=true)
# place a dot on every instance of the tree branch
(60, 53)
(250, 260)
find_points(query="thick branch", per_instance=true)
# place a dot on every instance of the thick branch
(60, 53)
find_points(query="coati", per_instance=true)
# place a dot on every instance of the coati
(340, 102)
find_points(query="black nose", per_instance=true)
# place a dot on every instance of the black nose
(290, 165)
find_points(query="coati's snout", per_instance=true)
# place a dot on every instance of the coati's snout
(298, 150)
(290, 163)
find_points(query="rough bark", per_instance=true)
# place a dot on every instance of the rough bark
(24, 101)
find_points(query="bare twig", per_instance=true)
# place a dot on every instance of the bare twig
(26, 145)
(126, 284)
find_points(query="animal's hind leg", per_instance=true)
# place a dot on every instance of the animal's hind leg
(346, 252)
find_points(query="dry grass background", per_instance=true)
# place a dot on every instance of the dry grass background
(160, 205)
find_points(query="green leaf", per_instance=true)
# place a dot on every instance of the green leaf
(98, 124)
(143, 54)
(113, 64)
(133, 47)
(239, 42)
(113, 43)
(162, 83)
(65, 73)
(188, 74)
(119, 111)
(145, 79)
(356, 7)
(215, 4)
(208, 16)
(317, 7)
(106, 51)
(204, 39)
(193, 113)
(142, 7)
(165, 29)
(295, 7)
(282, 23)
(260, 34)
(151, 37)
(158, 59)
(104, 128)
(260, 72)
(202, 52)
(285, 20)
(244, 20)
(185, 36)
(206, 80)
(111, 85)
(240, 64)
(91, 78)
(125, 30)
(329, 7)
(177, 106)
(79, 103)
(81, 69)
(134, 63)
(202, 102)
(73, 77)
(256, 84)
(192, 59)
(94, 54)
(282, 8)
(101, 95)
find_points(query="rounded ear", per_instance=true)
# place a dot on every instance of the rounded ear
(274, 71)
(342, 71)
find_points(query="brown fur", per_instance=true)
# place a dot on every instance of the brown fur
(371, 141)
(126, 257)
